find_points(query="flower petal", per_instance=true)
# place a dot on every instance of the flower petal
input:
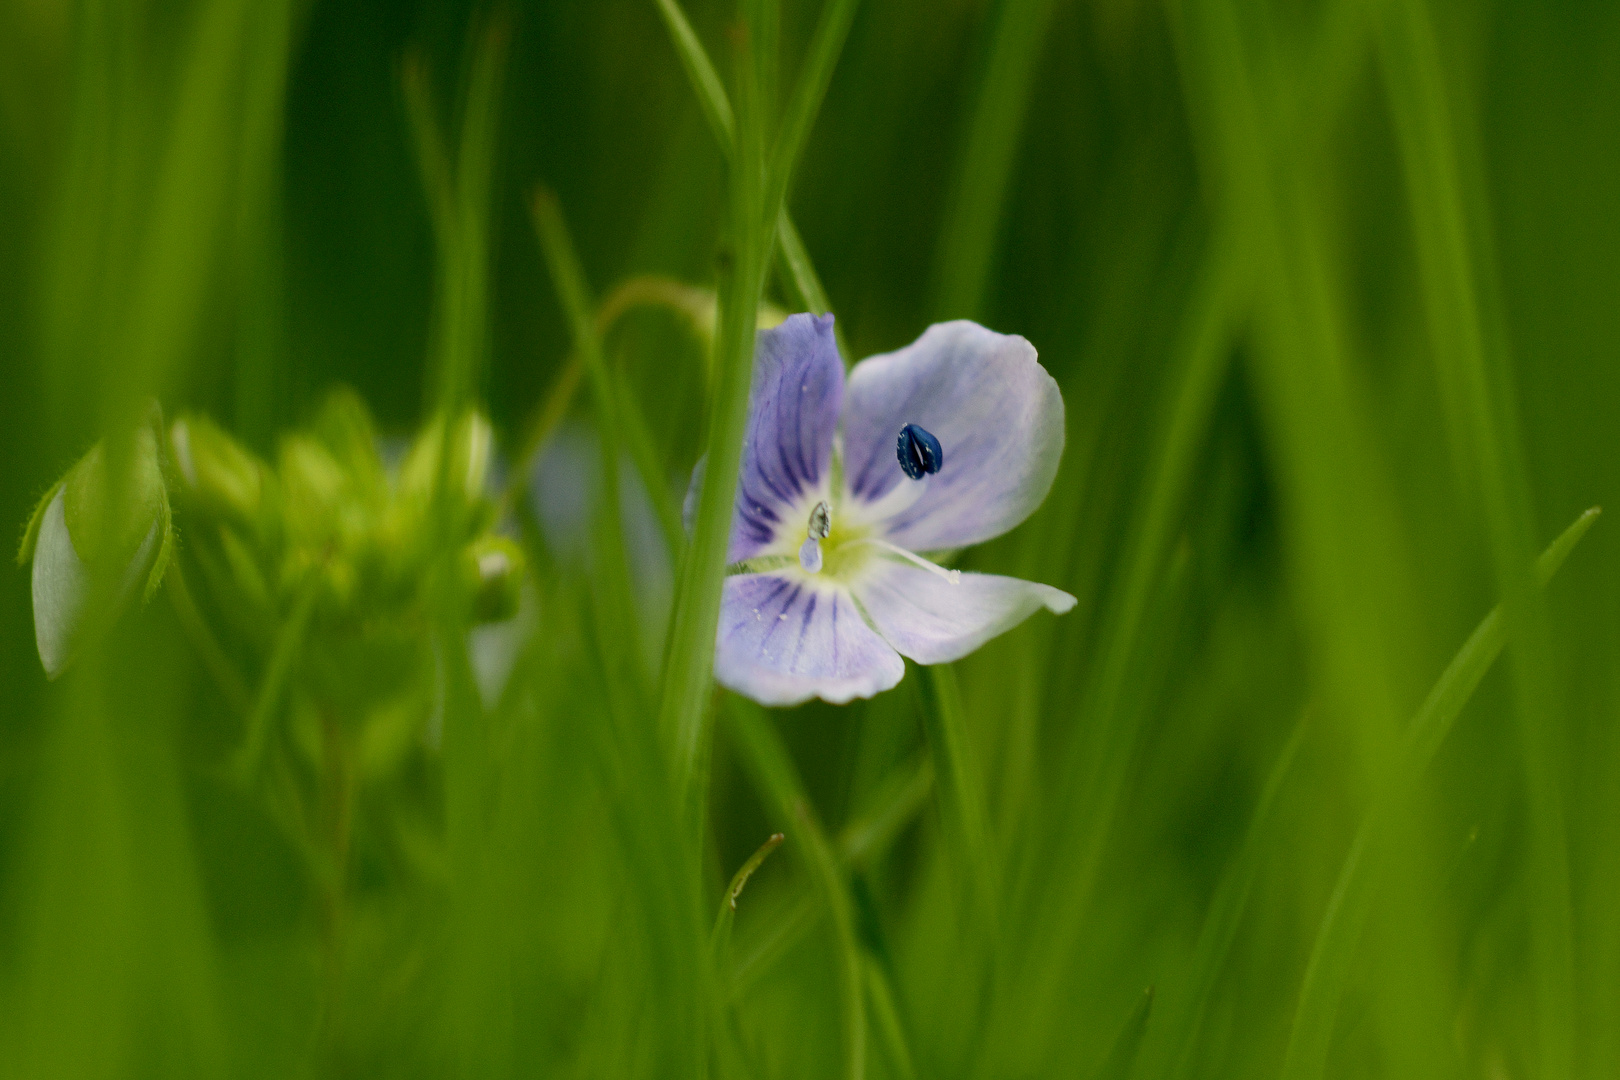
(997, 414)
(798, 388)
(934, 621)
(783, 639)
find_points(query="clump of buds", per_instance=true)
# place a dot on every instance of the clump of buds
(344, 562)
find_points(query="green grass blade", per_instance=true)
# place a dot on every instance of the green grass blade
(720, 936)
(767, 762)
(283, 657)
(960, 789)
(806, 285)
(887, 1017)
(1476, 392)
(638, 441)
(689, 664)
(1122, 1055)
(1101, 748)
(815, 73)
(1173, 1053)
(467, 288)
(806, 292)
(569, 278)
(219, 664)
(711, 92)
(756, 201)
(870, 833)
(1340, 929)
(968, 238)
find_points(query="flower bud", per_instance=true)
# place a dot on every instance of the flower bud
(104, 518)
(466, 474)
(491, 571)
(215, 471)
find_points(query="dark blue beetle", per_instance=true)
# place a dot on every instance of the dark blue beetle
(919, 452)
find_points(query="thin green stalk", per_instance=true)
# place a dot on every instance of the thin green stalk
(772, 771)
(889, 1027)
(806, 285)
(720, 936)
(258, 225)
(646, 290)
(283, 655)
(815, 74)
(638, 441)
(1101, 748)
(871, 832)
(756, 203)
(568, 276)
(807, 291)
(711, 95)
(711, 92)
(1340, 929)
(894, 807)
(467, 292)
(219, 665)
(458, 199)
(689, 664)
(187, 206)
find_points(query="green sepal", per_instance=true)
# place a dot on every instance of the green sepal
(86, 501)
(165, 552)
(30, 537)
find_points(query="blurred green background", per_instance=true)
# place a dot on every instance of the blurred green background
(1331, 292)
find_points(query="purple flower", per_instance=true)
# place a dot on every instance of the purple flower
(825, 590)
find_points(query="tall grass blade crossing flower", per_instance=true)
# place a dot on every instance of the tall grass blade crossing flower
(842, 485)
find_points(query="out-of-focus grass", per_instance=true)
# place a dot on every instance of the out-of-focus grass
(1329, 291)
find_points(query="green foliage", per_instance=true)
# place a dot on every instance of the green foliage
(408, 774)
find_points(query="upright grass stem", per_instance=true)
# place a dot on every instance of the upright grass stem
(711, 95)
(689, 665)
(757, 191)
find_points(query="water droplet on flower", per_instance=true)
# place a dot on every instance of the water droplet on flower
(919, 452)
(810, 555)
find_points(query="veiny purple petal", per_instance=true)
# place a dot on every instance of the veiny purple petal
(783, 640)
(997, 414)
(797, 390)
(935, 621)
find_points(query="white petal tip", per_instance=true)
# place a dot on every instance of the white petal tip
(1057, 601)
